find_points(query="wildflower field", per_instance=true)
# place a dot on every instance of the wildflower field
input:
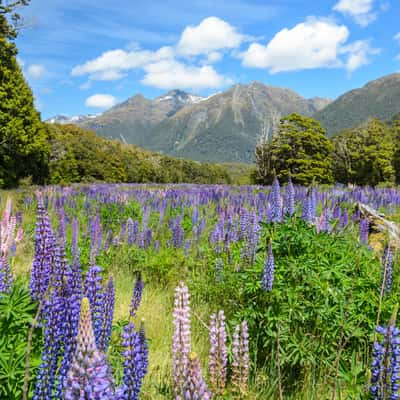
(128, 291)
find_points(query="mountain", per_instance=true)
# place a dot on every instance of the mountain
(223, 127)
(377, 99)
(76, 119)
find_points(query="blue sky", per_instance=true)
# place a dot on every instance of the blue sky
(83, 56)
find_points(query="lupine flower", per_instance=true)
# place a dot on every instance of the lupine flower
(89, 376)
(387, 268)
(364, 230)
(181, 346)
(44, 253)
(6, 277)
(385, 367)
(195, 387)
(240, 365)
(93, 290)
(108, 314)
(276, 215)
(137, 296)
(218, 352)
(268, 272)
(135, 362)
(344, 218)
(289, 197)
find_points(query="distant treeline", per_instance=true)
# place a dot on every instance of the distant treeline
(78, 155)
(366, 155)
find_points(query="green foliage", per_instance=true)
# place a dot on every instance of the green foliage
(23, 146)
(364, 156)
(7, 12)
(78, 155)
(299, 148)
(324, 301)
(16, 316)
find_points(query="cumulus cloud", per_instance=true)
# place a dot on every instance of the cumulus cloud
(210, 35)
(169, 74)
(109, 65)
(315, 43)
(360, 10)
(397, 38)
(101, 101)
(36, 71)
(311, 44)
(359, 54)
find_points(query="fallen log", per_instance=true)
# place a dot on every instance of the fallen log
(378, 223)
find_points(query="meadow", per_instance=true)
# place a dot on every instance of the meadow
(287, 288)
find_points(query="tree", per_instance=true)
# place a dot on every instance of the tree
(23, 144)
(364, 155)
(395, 128)
(299, 148)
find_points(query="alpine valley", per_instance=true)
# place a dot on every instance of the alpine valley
(226, 126)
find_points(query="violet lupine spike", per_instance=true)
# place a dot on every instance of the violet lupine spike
(289, 197)
(268, 271)
(218, 358)
(93, 290)
(6, 277)
(387, 269)
(135, 357)
(53, 314)
(364, 230)
(136, 296)
(195, 386)
(240, 364)
(276, 201)
(44, 253)
(181, 346)
(108, 315)
(385, 367)
(89, 376)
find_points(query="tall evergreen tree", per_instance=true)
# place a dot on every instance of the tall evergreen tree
(300, 149)
(23, 144)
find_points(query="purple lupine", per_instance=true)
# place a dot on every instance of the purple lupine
(136, 296)
(181, 346)
(135, 362)
(385, 367)
(276, 209)
(93, 290)
(89, 376)
(364, 230)
(289, 198)
(108, 314)
(387, 269)
(53, 314)
(6, 277)
(218, 359)
(344, 218)
(195, 387)
(177, 232)
(307, 209)
(240, 364)
(268, 271)
(44, 253)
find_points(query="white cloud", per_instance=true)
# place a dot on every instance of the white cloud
(101, 101)
(359, 54)
(360, 10)
(397, 38)
(36, 71)
(169, 74)
(210, 35)
(311, 44)
(213, 57)
(315, 43)
(111, 63)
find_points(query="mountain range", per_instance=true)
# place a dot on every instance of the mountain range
(226, 126)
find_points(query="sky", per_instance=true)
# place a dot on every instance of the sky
(84, 56)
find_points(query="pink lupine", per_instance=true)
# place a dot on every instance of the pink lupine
(181, 346)
(195, 387)
(240, 365)
(218, 352)
(7, 230)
